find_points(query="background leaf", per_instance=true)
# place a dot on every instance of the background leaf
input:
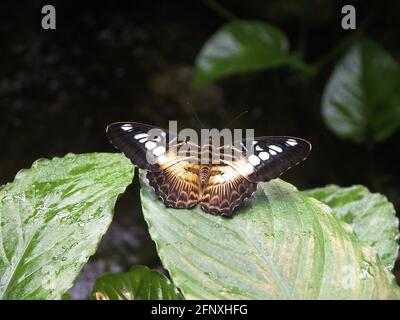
(282, 245)
(238, 47)
(52, 218)
(371, 216)
(140, 283)
(362, 97)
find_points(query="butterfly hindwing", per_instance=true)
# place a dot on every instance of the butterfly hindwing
(177, 185)
(225, 190)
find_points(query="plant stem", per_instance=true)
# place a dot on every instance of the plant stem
(301, 66)
(216, 7)
(337, 50)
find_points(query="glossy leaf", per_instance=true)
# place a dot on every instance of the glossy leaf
(52, 218)
(362, 97)
(240, 46)
(140, 283)
(371, 216)
(282, 245)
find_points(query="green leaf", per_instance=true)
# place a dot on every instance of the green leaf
(65, 296)
(362, 97)
(282, 245)
(52, 218)
(140, 283)
(241, 46)
(371, 216)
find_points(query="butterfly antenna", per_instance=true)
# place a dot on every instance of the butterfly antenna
(202, 126)
(237, 117)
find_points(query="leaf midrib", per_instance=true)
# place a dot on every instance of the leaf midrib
(18, 264)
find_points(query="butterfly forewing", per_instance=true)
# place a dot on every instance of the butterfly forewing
(269, 157)
(132, 139)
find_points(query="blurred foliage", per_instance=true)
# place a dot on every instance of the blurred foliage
(139, 283)
(241, 46)
(371, 216)
(362, 97)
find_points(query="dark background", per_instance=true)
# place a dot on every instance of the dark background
(111, 61)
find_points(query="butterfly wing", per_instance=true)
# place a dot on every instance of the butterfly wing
(269, 157)
(177, 185)
(171, 171)
(245, 164)
(132, 138)
(226, 189)
(176, 179)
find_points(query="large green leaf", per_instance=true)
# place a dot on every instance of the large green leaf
(371, 216)
(140, 283)
(52, 218)
(282, 245)
(362, 97)
(238, 47)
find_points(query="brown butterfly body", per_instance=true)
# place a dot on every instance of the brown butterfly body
(215, 178)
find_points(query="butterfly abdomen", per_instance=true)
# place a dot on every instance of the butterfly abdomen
(204, 175)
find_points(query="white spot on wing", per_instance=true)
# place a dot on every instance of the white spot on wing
(272, 152)
(275, 148)
(143, 140)
(258, 148)
(126, 127)
(150, 145)
(159, 151)
(140, 136)
(291, 142)
(254, 160)
(264, 155)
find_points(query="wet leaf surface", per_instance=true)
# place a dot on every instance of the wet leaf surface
(52, 219)
(282, 245)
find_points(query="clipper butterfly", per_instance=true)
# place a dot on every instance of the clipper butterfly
(181, 180)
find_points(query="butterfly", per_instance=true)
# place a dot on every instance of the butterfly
(181, 180)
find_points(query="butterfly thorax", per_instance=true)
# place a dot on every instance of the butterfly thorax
(206, 161)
